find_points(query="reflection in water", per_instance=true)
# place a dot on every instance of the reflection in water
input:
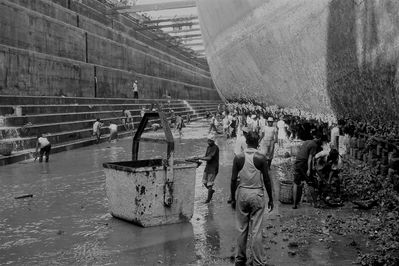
(212, 237)
(114, 153)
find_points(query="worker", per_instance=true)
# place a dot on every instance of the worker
(253, 170)
(45, 148)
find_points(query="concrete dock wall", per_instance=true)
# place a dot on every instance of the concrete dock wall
(73, 49)
(24, 72)
(33, 31)
(31, 73)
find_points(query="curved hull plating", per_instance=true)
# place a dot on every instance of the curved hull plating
(329, 56)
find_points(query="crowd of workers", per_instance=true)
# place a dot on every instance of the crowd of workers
(257, 132)
(318, 160)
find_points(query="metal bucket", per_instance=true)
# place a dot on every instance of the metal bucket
(137, 193)
(153, 191)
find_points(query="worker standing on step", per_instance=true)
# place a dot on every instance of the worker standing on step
(127, 120)
(135, 90)
(212, 166)
(97, 129)
(179, 124)
(45, 148)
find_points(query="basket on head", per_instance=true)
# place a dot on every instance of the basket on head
(286, 193)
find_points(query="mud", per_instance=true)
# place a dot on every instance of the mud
(66, 221)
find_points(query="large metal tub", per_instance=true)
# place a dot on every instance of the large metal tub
(136, 191)
(153, 191)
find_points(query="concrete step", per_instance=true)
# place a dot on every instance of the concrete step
(67, 121)
(72, 115)
(23, 143)
(52, 100)
(26, 154)
(70, 123)
(67, 108)
(46, 118)
(208, 101)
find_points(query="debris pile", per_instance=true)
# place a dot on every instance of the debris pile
(368, 189)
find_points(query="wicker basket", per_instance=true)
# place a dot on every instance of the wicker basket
(6, 148)
(286, 194)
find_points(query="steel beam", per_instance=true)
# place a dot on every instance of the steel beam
(171, 25)
(182, 31)
(188, 40)
(199, 50)
(194, 44)
(188, 36)
(156, 7)
(182, 37)
(175, 19)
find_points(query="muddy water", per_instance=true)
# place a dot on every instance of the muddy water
(66, 222)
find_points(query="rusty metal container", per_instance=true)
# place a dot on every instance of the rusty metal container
(151, 192)
(136, 191)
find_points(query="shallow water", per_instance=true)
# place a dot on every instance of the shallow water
(67, 220)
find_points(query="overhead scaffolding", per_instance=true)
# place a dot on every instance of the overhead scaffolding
(194, 44)
(182, 31)
(199, 51)
(174, 19)
(156, 7)
(175, 25)
(182, 37)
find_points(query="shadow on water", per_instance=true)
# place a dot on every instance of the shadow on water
(362, 58)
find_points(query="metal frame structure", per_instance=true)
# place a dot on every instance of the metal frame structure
(156, 7)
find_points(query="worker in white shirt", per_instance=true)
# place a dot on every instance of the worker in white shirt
(113, 132)
(241, 141)
(135, 90)
(97, 129)
(45, 148)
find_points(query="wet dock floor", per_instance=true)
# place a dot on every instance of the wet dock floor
(67, 222)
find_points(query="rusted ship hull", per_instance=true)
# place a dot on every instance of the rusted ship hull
(328, 56)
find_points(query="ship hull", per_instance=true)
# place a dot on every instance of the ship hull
(324, 56)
